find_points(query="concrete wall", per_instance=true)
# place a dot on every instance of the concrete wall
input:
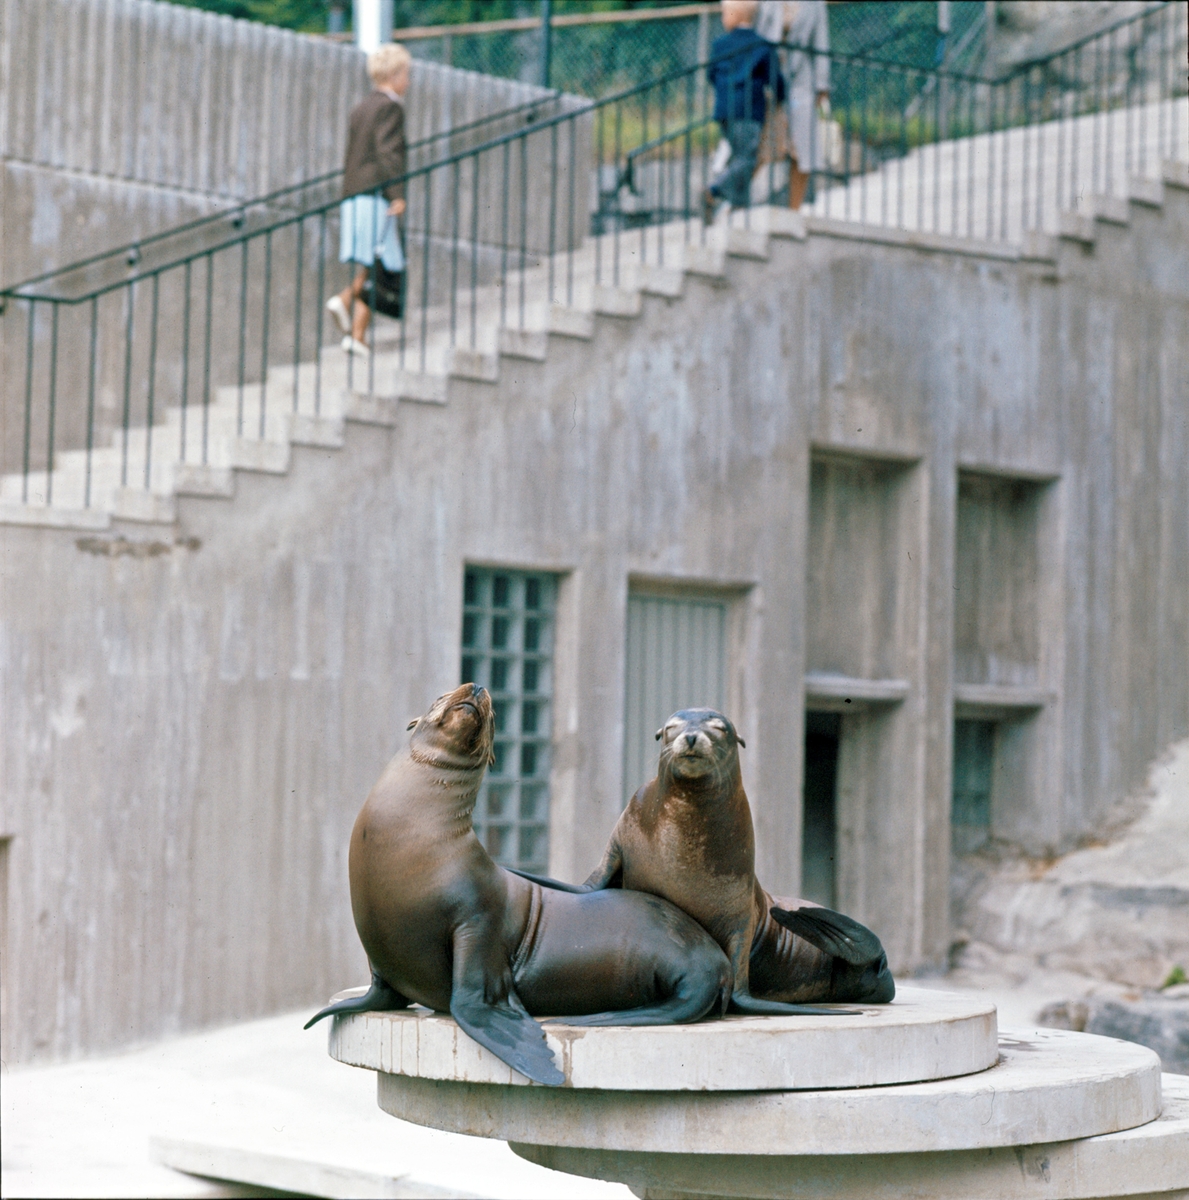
(194, 714)
(119, 118)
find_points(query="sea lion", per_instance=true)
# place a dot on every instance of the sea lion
(445, 927)
(687, 836)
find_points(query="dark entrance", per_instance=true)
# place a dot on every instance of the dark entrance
(818, 851)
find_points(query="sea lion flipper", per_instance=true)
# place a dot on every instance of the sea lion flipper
(545, 881)
(509, 1033)
(741, 1002)
(609, 873)
(484, 1002)
(832, 933)
(379, 997)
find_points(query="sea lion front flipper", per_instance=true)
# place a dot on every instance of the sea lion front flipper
(741, 1002)
(484, 1003)
(378, 998)
(832, 933)
(546, 882)
(609, 873)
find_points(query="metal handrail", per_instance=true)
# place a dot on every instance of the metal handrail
(132, 250)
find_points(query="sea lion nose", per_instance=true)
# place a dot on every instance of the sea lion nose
(690, 739)
(476, 690)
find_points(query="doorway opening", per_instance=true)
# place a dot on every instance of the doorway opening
(823, 733)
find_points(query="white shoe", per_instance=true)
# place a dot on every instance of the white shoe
(351, 346)
(338, 310)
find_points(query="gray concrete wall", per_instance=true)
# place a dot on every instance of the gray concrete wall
(120, 118)
(194, 714)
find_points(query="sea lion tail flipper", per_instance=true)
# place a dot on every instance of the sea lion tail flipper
(741, 1002)
(509, 1033)
(546, 882)
(378, 998)
(832, 933)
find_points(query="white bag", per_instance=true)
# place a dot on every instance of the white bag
(830, 139)
(720, 158)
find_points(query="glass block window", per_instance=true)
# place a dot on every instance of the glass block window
(507, 647)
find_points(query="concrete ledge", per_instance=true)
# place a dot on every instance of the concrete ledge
(1149, 192)
(1075, 227)
(993, 700)
(139, 504)
(303, 1177)
(747, 243)
(570, 322)
(369, 410)
(417, 387)
(197, 479)
(529, 344)
(942, 243)
(474, 365)
(1175, 174)
(1112, 210)
(326, 432)
(251, 454)
(616, 302)
(923, 1034)
(781, 222)
(54, 518)
(662, 281)
(1038, 247)
(843, 693)
(708, 260)
(1144, 1163)
(1048, 1086)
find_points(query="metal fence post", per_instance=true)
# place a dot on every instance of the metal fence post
(546, 40)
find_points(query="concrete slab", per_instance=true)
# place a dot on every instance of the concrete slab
(242, 1093)
(921, 1035)
(1049, 1085)
(1150, 1161)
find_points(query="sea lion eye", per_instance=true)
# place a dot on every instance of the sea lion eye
(412, 722)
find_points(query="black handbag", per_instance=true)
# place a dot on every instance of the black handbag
(385, 291)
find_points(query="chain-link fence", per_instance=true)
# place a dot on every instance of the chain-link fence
(595, 53)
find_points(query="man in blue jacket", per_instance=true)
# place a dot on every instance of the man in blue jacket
(742, 66)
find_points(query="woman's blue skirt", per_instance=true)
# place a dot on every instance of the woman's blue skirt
(367, 232)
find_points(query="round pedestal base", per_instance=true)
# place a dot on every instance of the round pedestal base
(1049, 1085)
(1148, 1162)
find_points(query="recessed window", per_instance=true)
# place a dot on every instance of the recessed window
(974, 760)
(507, 647)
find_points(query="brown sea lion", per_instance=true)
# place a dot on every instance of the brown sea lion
(687, 836)
(445, 927)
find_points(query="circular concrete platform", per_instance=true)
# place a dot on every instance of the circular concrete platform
(921, 1035)
(1146, 1162)
(1048, 1086)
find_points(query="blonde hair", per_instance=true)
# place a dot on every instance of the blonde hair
(388, 60)
(744, 12)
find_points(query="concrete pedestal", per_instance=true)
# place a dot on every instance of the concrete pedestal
(754, 1107)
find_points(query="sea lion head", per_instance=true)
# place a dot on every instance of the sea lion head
(458, 730)
(697, 743)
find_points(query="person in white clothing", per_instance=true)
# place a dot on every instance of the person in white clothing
(802, 26)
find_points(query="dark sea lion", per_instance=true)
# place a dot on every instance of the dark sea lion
(445, 927)
(687, 836)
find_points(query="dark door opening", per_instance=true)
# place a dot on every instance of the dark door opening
(823, 732)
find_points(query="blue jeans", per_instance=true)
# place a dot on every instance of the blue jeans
(734, 184)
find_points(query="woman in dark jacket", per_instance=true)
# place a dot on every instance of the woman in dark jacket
(372, 201)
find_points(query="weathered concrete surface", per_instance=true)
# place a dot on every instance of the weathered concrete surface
(260, 1102)
(1115, 911)
(193, 714)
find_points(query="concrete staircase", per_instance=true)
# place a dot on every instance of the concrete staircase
(198, 451)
